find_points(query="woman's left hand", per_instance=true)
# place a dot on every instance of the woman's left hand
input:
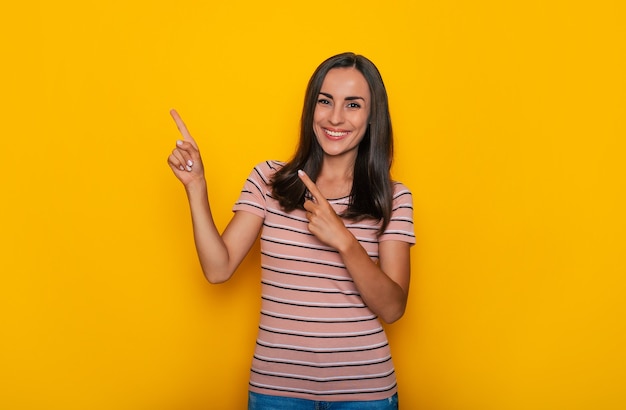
(324, 222)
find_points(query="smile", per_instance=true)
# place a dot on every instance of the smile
(336, 134)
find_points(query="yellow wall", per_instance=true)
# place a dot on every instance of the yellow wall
(510, 130)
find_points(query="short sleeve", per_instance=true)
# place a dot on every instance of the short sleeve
(253, 196)
(400, 226)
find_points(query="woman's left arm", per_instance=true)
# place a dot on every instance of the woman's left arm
(384, 287)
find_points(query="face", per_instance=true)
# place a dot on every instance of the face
(342, 112)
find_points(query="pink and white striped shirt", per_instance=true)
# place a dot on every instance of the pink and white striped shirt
(317, 339)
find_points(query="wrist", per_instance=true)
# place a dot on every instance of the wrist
(348, 244)
(196, 186)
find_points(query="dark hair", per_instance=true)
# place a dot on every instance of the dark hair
(372, 191)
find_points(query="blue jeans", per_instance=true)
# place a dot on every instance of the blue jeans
(258, 401)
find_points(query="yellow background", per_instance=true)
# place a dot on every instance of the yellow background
(509, 118)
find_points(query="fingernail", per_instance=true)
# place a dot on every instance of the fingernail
(189, 162)
(179, 142)
(182, 168)
(300, 172)
(188, 168)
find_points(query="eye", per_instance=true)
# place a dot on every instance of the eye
(323, 101)
(354, 105)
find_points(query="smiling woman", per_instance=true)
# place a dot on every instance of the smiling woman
(333, 268)
(508, 127)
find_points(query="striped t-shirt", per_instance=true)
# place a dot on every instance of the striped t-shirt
(317, 340)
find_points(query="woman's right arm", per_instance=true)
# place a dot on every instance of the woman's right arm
(219, 255)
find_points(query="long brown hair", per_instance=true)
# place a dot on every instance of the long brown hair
(371, 195)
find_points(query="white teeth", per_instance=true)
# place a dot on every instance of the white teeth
(335, 133)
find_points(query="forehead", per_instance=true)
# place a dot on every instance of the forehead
(343, 82)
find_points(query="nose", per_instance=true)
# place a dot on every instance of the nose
(336, 117)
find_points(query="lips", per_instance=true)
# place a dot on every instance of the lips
(334, 134)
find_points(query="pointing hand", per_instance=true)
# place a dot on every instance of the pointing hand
(185, 159)
(324, 222)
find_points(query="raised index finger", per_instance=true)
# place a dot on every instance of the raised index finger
(310, 185)
(182, 128)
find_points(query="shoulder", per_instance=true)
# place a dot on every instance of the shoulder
(401, 200)
(401, 192)
(400, 226)
(257, 188)
(264, 171)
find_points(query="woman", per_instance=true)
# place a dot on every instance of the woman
(335, 238)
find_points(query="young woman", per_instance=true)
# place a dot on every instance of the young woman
(335, 238)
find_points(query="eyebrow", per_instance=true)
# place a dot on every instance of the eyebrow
(352, 98)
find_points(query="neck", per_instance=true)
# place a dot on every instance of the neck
(335, 178)
(337, 168)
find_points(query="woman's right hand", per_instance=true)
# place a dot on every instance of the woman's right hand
(219, 254)
(185, 159)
